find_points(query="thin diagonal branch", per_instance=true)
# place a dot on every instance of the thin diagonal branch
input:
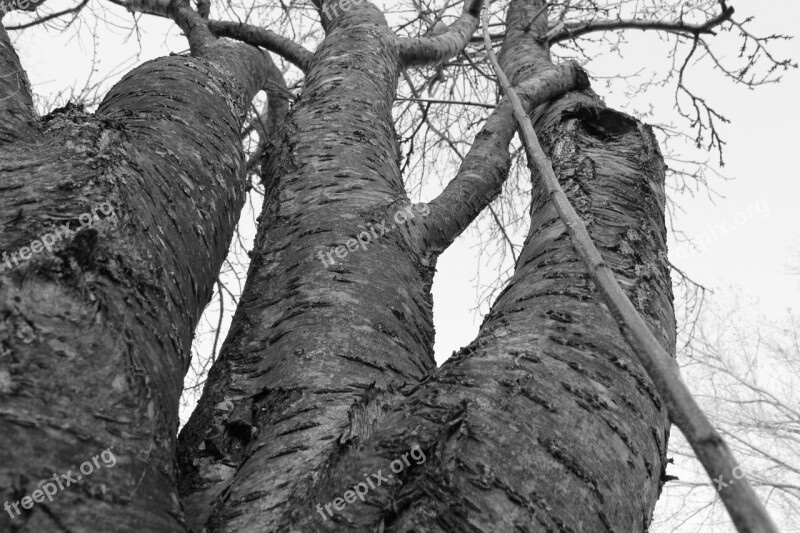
(485, 167)
(72, 10)
(455, 150)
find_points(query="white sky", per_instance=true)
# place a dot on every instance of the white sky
(750, 236)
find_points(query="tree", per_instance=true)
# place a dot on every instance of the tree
(545, 421)
(746, 368)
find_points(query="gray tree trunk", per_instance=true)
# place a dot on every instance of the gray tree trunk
(545, 422)
(96, 328)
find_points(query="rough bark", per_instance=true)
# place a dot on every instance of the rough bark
(567, 434)
(16, 102)
(546, 421)
(485, 167)
(545, 411)
(96, 331)
(313, 345)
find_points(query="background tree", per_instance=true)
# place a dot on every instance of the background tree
(746, 366)
(297, 404)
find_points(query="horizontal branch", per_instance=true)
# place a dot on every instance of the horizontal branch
(485, 167)
(449, 102)
(267, 39)
(436, 49)
(572, 31)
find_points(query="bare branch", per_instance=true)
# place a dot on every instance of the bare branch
(72, 10)
(449, 102)
(439, 48)
(485, 166)
(269, 40)
(247, 33)
(193, 25)
(564, 32)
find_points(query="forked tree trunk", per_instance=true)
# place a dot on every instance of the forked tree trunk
(96, 328)
(545, 422)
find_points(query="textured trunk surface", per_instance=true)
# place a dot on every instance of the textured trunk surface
(95, 331)
(316, 347)
(545, 422)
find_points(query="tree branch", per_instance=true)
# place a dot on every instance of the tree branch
(744, 507)
(246, 33)
(193, 25)
(484, 168)
(565, 32)
(267, 39)
(76, 9)
(436, 49)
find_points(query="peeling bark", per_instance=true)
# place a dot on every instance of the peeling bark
(96, 332)
(546, 421)
(315, 349)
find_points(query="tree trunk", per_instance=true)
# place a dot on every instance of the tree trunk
(131, 211)
(318, 340)
(546, 421)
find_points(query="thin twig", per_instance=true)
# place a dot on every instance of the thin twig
(451, 102)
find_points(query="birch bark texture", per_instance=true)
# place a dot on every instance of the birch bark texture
(96, 334)
(548, 378)
(544, 422)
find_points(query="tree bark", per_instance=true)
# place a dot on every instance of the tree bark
(16, 101)
(546, 421)
(318, 342)
(549, 382)
(96, 329)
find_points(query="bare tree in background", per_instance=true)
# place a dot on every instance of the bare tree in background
(546, 421)
(746, 369)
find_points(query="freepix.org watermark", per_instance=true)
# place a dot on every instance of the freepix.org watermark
(372, 233)
(720, 230)
(371, 481)
(331, 8)
(6, 6)
(48, 240)
(51, 486)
